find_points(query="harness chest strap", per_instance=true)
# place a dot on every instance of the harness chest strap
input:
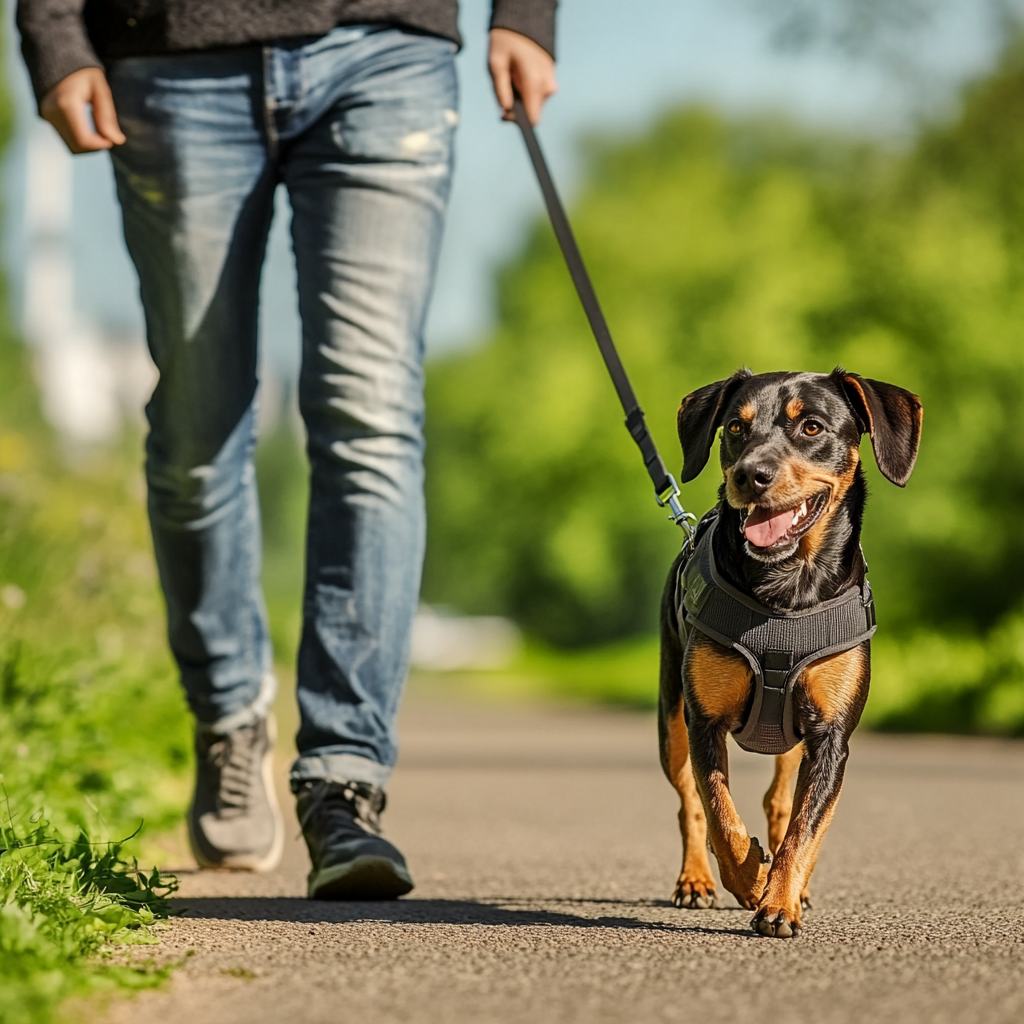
(777, 647)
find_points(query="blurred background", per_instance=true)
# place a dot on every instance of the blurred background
(782, 184)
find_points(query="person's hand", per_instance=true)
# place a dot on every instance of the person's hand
(519, 63)
(64, 106)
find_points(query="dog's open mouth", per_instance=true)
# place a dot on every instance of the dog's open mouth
(765, 528)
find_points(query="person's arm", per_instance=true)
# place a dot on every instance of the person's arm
(521, 58)
(66, 74)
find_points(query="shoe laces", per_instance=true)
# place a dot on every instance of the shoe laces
(345, 801)
(234, 756)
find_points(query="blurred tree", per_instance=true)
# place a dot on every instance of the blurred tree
(862, 28)
(707, 244)
(854, 26)
(715, 244)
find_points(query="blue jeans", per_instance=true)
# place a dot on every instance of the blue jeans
(359, 126)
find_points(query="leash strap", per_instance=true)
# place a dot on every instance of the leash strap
(666, 489)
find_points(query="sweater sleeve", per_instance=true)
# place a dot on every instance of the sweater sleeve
(532, 18)
(54, 41)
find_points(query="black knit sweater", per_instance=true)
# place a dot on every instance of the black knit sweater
(61, 36)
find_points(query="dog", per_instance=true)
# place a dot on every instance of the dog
(780, 551)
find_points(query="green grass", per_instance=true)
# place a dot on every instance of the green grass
(64, 906)
(94, 738)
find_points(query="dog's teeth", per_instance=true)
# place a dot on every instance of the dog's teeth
(803, 509)
(796, 519)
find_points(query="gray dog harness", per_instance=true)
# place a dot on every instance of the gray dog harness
(778, 647)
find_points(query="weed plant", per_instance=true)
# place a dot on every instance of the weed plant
(62, 903)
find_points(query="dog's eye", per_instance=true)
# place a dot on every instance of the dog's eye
(812, 428)
(735, 428)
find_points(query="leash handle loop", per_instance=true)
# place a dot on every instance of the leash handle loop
(666, 489)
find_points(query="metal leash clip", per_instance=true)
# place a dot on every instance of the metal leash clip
(669, 498)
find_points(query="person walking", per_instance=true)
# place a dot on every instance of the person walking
(352, 105)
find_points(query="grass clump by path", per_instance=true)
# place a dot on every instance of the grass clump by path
(94, 735)
(62, 903)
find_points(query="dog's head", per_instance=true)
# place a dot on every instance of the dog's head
(791, 447)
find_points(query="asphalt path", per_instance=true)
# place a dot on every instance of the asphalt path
(544, 846)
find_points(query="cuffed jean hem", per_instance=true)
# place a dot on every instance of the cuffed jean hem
(338, 768)
(258, 709)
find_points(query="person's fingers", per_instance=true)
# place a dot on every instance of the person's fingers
(84, 138)
(73, 127)
(499, 63)
(103, 113)
(519, 65)
(66, 105)
(534, 82)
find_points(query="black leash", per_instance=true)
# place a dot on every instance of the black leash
(666, 490)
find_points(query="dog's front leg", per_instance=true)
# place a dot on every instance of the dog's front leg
(817, 790)
(742, 862)
(830, 697)
(778, 804)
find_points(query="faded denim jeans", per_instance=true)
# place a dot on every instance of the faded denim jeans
(358, 125)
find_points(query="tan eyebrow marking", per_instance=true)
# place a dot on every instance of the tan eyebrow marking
(794, 407)
(748, 412)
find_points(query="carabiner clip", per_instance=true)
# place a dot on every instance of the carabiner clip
(669, 498)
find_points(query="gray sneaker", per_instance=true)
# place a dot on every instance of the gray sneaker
(351, 859)
(234, 820)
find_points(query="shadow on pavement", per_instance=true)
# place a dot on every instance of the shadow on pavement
(512, 912)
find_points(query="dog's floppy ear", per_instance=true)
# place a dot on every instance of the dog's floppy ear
(891, 416)
(700, 416)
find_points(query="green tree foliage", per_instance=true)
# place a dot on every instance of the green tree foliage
(714, 244)
(705, 244)
(853, 26)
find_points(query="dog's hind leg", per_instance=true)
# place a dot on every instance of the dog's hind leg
(778, 801)
(695, 888)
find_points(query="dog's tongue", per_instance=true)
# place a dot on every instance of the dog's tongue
(763, 530)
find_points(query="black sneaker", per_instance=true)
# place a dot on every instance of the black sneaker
(351, 860)
(234, 820)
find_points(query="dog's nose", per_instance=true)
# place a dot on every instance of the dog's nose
(754, 478)
(763, 476)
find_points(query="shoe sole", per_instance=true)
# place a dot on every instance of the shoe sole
(363, 878)
(248, 861)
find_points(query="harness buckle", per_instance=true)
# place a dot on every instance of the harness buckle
(669, 498)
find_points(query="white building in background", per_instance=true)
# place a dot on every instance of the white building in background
(89, 383)
(445, 642)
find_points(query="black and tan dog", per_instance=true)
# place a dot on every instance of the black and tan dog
(785, 540)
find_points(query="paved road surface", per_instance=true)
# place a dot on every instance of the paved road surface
(544, 848)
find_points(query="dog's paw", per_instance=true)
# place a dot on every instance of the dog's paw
(805, 900)
(776, 923)
(746, 881)
(695, 894)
